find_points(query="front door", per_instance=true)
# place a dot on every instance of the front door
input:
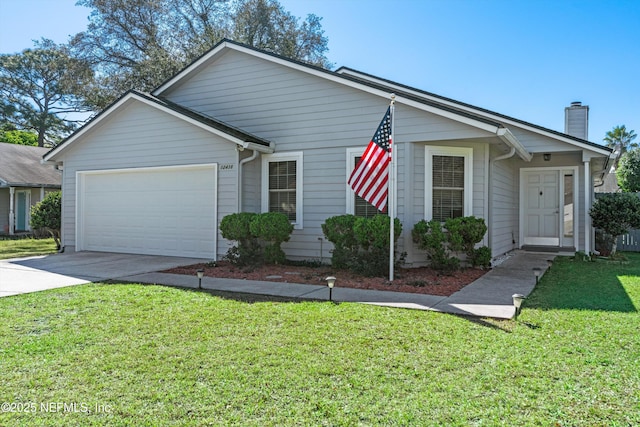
(541, 207)
(23, 200)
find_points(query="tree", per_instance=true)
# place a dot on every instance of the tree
(621, 139)
(47, 215)
(616, 214)
(628, 171)
(138, 44)
(39, 86)
(266, 25)
(11, 135)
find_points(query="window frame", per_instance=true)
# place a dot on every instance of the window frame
(284, 157)
(352, 154)
(467, 153)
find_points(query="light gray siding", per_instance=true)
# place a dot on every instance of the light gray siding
(302, 112)
(142, 136)
(504, 205)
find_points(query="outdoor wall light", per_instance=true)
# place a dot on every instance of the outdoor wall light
(547, 156)
(331, 281)
(200, 274)
(537, 271)
(517, 302)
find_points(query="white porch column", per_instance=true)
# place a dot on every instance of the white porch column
(588, 190)
(41, 193)
(12, 215)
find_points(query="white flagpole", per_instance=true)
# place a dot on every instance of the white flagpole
(392, 190)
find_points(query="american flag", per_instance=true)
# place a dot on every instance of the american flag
(370, 178)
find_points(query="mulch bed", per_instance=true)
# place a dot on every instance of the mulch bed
(421, 280)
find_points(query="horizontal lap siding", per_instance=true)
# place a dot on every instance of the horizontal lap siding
(141, 136)
(504, 213)
(301, 112)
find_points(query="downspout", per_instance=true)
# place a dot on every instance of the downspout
(241, 163)
(508, 155)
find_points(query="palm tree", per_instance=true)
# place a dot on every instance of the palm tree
(621, 139)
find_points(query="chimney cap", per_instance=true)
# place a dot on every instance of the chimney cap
(576, 104)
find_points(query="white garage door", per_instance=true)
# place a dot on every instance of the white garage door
(156, 211)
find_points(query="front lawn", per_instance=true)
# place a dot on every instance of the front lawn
(26, 247)
(126, 354)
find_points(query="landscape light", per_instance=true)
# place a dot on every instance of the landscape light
(517, 302)
(537, 271)
(200, 274)
(331, 281)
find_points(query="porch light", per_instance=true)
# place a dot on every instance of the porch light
(331, 281)
(547, 157)
(537, 271)
(200, 274)
(517, 302)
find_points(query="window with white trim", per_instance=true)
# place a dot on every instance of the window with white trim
(356, 205)
(282, 185)
(448, 182)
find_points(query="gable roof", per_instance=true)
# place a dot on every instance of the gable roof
(217, 127)
(455, 110)
(365, 77)
(21, 166)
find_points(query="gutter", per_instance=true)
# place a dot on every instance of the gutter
(241, 163)
(510, 139)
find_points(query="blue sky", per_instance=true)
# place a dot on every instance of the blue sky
(524, 58)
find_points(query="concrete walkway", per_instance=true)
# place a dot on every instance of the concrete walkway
(489, 296)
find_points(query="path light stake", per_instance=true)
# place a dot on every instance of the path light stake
(537, 271)
(200, 274)
(330, 282)
(517, 303)
(549, 263)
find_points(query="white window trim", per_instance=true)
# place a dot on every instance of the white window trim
(296, 156)
(467, 153)
(352, 153)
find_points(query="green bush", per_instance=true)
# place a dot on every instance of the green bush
(237, 227)
(430, 236)
(47, 215)
(616, 214)
(339, 231)
(459, 235)
(361, 244)
(272, 228)
(259, 237)
(481, 257)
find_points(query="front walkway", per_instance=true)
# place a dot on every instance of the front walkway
(489, 296)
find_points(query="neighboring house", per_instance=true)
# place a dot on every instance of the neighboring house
(24, 181)
(243, 130)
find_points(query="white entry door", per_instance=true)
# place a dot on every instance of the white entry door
(541, 207)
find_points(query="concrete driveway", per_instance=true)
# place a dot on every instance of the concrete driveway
(22, 275)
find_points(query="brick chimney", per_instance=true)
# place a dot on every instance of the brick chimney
(576, 120)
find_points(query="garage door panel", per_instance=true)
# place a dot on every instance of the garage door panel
(160, 211)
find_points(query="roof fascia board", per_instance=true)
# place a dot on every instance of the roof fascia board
(131, 96)
(325, 74)
(470, 109)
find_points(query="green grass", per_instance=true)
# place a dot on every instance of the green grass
(152, 355)
(26, 247)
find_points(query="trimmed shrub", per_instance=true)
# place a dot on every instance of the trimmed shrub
(272, 228)
(464, 234)
(362, 244)
(616, 214)
(237, 227)
(259, 237)
(430, 236)
(47, 215)
(339, 231)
